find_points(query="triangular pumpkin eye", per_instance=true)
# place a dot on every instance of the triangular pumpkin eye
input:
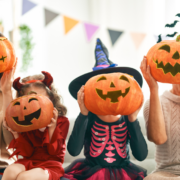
(165, 47)
(124, 78)
(101, 78)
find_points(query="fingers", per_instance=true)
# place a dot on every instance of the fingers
(143, 65)
(53, 121)
(80, 96)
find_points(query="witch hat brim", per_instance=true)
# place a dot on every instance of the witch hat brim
(76, 84)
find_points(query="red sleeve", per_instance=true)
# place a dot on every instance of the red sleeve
(22, 146)
(59, 136)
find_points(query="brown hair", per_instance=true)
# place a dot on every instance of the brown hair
(53, 95)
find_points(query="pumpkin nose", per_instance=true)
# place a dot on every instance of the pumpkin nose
(175, 55)
(112, 84)
(25, 107)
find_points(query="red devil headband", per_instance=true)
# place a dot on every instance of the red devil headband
(47, 81)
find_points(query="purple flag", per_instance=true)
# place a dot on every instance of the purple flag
(90, 30)
(27, 6)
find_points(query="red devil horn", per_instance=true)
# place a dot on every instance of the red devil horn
(48, 79)
(16, 84)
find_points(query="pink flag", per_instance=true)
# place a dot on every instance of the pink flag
(90, 30)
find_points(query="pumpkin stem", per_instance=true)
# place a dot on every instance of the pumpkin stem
(178, 38)
(31, 92)
(2, 38)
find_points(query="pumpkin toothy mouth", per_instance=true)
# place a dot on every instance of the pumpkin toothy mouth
(168, 68)
(113, 95)
(28, 118)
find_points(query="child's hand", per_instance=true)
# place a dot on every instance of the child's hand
(80, 99)
(7, 79)
(54, 119)
(15, 134)
(145, 69)
(132, 117)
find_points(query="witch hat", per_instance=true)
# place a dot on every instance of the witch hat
(102, 66)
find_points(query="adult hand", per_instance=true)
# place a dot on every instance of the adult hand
(145, 69)
(132, 117)
(80, 99)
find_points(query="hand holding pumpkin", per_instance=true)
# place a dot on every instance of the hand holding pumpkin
(145, 69)
(53, 123)
(7, 78)
(132, 117)
(80, 99)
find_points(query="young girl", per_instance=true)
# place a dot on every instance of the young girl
(42, 151)
(106, 139)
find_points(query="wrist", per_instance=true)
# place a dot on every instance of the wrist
(7, 92)
(132, 118)
(85, 113)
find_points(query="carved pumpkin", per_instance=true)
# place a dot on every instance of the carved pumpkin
(29, 112)
(164, 61)
(112, 94)
(7, 55)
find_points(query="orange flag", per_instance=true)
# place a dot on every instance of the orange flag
(137, 38)
(69, 23)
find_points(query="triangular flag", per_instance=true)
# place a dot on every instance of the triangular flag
(69, 23)
(27, 6)
(114, 35)
(90, 30)
(138, 38)
(49, 16)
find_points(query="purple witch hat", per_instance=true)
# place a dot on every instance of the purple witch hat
(102, 66)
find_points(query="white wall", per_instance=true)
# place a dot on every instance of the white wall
(68, 56)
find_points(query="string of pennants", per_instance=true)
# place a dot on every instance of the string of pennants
(90, 29)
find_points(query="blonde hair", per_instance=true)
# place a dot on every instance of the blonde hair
(53, 95)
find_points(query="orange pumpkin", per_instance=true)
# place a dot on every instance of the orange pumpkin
(29, 112)
(112, 94)
(164, 61)
(7, 55)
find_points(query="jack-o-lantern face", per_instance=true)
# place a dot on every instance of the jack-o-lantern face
(112, 94)
(29, 112)
(164, 61)
(7, 55)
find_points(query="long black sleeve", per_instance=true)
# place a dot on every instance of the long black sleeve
(137, 141)
(76, 140)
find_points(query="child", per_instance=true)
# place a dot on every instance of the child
(106, 139)
(42, 150)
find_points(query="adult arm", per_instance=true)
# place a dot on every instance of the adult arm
(156, 131)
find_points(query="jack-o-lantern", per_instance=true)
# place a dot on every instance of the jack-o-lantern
(112, 94)
(164, 61)
(29, 112)
(7, 55)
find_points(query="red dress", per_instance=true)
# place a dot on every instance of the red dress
(38, 152)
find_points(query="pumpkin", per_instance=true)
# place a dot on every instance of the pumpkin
(7, 55)
(112, 94)
(29, 112)
(164, 61)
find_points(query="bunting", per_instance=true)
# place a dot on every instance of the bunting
(69, 23)
(114, 35)
(27, 6)
(137, 38)
(90, 30)
(49, 16)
